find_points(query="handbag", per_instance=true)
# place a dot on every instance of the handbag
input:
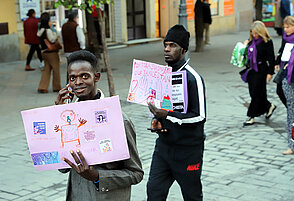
(52, 46)
(244, 74)
(279, 76)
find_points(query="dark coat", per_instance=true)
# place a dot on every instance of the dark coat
(206, 13)
(30, 29)
(257, 80)
(69, 37)
(278, 60)
(187, 129)
(285, 8)
(265, 57)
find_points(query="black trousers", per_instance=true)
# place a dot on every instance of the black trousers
(281, 94)
(257, 90)
(34, 47)
(183, 164)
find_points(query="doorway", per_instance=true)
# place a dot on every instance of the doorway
(136, 19)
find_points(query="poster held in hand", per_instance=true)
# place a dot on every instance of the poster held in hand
(94, 127)
(151, 83)
(179, 91)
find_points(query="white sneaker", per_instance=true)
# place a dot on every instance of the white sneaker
(249, 122)
(270, 111)
(42, 66)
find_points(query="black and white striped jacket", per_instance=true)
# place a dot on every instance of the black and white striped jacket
(187, 128)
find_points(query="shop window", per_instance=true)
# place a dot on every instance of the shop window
(3, 28)
(268, 10)
(214, 7)
(48, 6)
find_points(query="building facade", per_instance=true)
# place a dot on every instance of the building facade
(125, 20)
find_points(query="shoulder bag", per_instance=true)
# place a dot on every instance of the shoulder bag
(279, 76)
(52, 46)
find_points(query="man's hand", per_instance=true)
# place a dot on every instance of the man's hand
(277, 68)
(63, 95)
(156, 126)
(82, 168)
(158, 113)
(269, 77)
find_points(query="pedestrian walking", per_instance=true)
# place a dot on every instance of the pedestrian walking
(51, 57)
(207, 20)
(278, 24)
(285, 8)
(261, 68)
(286, 58)
(30, 29)
(178, 153)
(72, 35)
(104, 182)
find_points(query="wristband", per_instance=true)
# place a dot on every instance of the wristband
(96, 185)
(96, 182)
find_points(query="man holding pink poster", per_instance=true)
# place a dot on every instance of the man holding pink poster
(179, 148)
(108, 181)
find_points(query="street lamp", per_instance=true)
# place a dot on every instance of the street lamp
(183, 14)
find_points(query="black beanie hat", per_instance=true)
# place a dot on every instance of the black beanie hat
(179, 35)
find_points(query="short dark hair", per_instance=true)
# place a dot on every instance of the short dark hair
(72, 15)
(30, 12)
(83, 55)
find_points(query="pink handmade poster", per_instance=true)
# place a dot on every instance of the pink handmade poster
(151, 83)
(95, 127)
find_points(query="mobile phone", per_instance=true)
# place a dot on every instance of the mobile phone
(154, 130)
(67, 101)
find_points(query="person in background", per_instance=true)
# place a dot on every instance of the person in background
(30, 29)
(207, 20)
(72, 35)
(261, 69)
(51, 58)
(284, 10)
(288, 80)
(278, 19)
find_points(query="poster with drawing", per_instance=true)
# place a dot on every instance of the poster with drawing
(95, 127)
(179, 91)
(151, 83)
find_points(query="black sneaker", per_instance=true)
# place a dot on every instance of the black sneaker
(270, 111)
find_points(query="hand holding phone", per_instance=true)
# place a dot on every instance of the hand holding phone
(64, 96)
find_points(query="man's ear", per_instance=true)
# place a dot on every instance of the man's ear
(97, 76)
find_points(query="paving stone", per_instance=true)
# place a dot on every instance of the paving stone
(8, 195)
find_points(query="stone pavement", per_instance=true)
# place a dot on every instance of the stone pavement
(240, 163)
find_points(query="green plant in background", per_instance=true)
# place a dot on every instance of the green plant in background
(83, 5)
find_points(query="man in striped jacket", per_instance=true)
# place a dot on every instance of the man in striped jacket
(179, 148)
